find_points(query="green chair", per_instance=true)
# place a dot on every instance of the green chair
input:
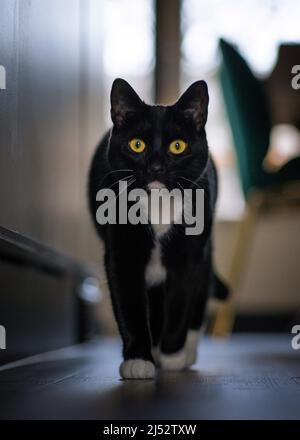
(250, 122)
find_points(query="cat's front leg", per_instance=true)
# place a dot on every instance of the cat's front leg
(173, 349)
(130, 307)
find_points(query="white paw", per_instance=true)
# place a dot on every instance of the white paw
(183, 358)
(175, 361)
(155, 354)
(137, 369)
(191, 347)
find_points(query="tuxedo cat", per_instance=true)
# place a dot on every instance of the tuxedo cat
(159, 277)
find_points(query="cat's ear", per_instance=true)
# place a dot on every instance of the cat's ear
(194, 104)
(124, 102)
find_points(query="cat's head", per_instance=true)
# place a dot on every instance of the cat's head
(160, 144)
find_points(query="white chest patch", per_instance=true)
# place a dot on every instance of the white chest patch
(155, 272)
(161, 215)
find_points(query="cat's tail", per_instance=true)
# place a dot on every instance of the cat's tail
(221, 290)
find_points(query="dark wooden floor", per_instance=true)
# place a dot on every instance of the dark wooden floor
(246, 377)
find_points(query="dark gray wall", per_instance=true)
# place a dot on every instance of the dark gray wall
(50, 118)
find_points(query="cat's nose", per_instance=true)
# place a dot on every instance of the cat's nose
(155, 167)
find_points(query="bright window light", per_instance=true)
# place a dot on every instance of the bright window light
(128, 45)
(257, 27)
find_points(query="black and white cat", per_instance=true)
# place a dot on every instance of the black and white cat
(159, 277)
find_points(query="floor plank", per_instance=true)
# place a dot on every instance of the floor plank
(246, 377)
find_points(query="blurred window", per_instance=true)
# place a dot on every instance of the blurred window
(128, 45)
(256, 27)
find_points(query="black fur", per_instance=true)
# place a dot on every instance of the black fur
(164, 313)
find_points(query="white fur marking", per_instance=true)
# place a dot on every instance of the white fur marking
(155, 272)
(155, 354)
(191, 345)
(171, 209)
(167, 215)
(183, 358)
(137, 369)
(175, 361)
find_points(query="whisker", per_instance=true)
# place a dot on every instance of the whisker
(188, 215)
(190, 181)
(200, 179)
(119, 180)
(182, 189)
(184, 194)
(115, 171)
(131, 181)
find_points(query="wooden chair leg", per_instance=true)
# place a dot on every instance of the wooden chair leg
(225, 314)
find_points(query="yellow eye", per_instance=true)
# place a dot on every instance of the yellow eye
(178, 146)
(137, 145)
